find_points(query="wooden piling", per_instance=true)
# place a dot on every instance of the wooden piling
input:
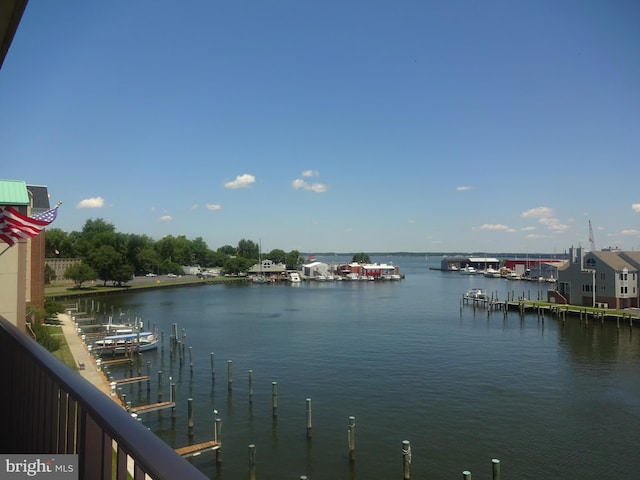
(159, 386)
(172, 398)
(250, 386)
(252, 462)
(308, 418)
(191, 359)
(190, 417)
(351, 437)
(406, 459)
(229, 375)
(274, 399)
(213, 366)
(466, 475)
(217, 429)
(495, 469)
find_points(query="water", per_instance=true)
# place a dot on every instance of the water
(549, 400)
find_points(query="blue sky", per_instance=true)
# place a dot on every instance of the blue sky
(333, 126)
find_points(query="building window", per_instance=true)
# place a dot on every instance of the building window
(591, 263)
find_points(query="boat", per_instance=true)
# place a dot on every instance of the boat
(492, 273)
(126, 343)
(475, 294)
(294, 277)
(468, 270)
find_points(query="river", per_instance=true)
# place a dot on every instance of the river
(548, 399)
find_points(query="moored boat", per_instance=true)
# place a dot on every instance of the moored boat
(468, 270)
(126, 343)
(475, 294)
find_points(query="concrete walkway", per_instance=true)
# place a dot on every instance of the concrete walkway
(82, 356)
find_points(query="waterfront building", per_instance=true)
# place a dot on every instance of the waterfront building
(458, 262)
(605, 278)
(22, 265)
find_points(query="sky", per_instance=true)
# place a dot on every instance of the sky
(333, 126)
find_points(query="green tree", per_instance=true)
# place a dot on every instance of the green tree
(105, 261)
(80, 273)
(49, 274)
(235, 265)
(122, 274)
(277, 256)
(361, 258)
(227, 250)
(248, 249)
(52, 308)
(293, 260)
(58, 243)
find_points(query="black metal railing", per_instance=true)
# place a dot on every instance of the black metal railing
(47, 408)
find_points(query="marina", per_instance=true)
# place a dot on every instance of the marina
(410, 361)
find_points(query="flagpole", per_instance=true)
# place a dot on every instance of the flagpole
(6, 248)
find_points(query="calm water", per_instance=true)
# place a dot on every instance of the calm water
(549, 400)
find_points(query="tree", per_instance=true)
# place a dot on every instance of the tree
(293, 260)
(248, 249)
(80, 273)
(58, 243)
(105, 261)
(227, 250)
(277, 256)
(49, 274)
(122, 274)
(361, 258)
(235, 265)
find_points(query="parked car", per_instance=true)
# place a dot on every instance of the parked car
(172, 275)
(151, 274)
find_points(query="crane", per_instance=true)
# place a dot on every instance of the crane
(591, 240)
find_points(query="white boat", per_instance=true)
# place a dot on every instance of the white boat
(492, 273)
(126, 343)
(468, 270)
(475, 294)
(294, 277)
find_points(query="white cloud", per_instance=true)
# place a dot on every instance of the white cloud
(546, 218)
(310, 173)
(300, 184)
(635, 207)
(553, 224)
(242, 181)
(494, 226)
(166, 218)
(630, 232)
(213, 206)
(195, 206)
(537, 212)
(93, 202)
(528, 229)
(464, 188)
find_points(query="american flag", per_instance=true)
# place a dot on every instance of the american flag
(15, 226)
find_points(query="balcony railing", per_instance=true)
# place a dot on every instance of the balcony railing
(47, 408)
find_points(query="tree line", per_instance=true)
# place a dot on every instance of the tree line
(116, 257)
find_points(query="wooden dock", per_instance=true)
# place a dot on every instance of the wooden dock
(116, 361)
(198, 448)
(124, 381)
(152, 407)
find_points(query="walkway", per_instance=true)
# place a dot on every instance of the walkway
(82, 356)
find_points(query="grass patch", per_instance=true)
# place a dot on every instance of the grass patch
(63, 353)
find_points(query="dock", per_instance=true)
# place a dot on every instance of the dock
(117, 360)
(125, 381)
(152, 407)
(198, 448)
